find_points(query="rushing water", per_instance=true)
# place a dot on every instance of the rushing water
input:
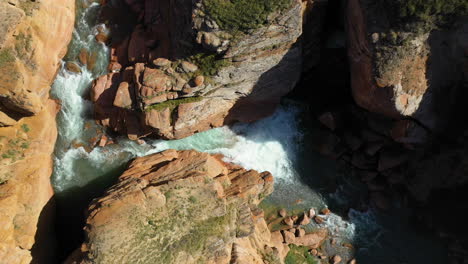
(277, 144)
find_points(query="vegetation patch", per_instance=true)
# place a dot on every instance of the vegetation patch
(6, 56)
(243, 15)
(208, 64)
(29, 6)
(172, 104)
(299, 255)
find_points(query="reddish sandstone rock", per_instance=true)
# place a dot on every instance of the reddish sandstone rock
(312, 240)
(204, 201)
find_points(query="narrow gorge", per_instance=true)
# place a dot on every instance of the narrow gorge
(233, 131)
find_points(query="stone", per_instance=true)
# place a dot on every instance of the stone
(333, 241)
(329, 120)
(187, 89)
(289, 237)
(155, 79)
(294, 218)
(314, 252)
(282, 212)
(311, 213)
(199, 80)
(353, 261)
(312, 240)
(162, 62)
(375, 37)
(336, 259)
(325, 211)
(319, 220)
(300, 232)
(303, 220)
(83, 56)
(188, 67)
(288, 221)
(123, 98)
(101, 37)
(72, 67)
(277, 237)
(103, 141)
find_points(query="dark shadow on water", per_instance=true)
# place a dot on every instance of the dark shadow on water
(71, 209)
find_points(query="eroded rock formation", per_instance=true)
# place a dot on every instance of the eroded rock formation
(219, 73)
(29, 59)
(181, 207)
(402, 66)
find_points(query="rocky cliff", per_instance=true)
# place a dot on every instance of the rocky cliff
(29, 59)
(181, 207)
(217, 63)
(408, 60)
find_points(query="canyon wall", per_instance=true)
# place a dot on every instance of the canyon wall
(172, 77)
(33, 38)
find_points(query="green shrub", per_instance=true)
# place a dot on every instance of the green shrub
(6, 56)
(299, 255)
(208, 64)
(172, 104)
(243, 15)
(25, 128)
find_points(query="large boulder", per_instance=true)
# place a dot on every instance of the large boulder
(180, 207)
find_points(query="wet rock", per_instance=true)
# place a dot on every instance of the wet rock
(311, 213)
(83, 56)
(336, 259)
(282, 212)
(72, 67)
(103, 141)
(325, 211)
(330, 120)
(102, 37)
(353, 261)
(319, 220)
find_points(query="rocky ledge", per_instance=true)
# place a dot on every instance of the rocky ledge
(181, 207)
(172, 78)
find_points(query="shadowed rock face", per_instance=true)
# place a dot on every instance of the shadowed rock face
(181, 207)
(29, 59)
(403, 70)
(235, 76)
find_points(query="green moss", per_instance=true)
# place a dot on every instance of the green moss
(172, 104)
(25, 128)
(243, 15)
(208, 64)
(6, 56)
(299, 255)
